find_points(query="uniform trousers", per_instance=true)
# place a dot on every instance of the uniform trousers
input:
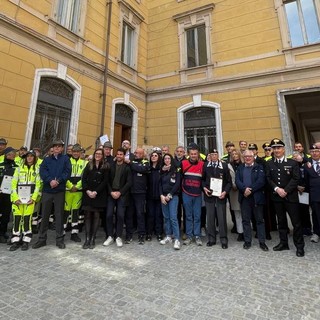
(216, 210)
(21, 224)
(139, 201)
(282, 207)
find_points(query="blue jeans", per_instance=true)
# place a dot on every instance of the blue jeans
(192, 208)
(171, 224)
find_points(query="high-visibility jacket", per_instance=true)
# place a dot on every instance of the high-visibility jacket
(78, 166)
(26, 175)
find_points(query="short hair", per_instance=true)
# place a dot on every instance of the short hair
(121, 150)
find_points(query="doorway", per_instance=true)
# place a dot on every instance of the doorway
(301, 117)
(122, 125)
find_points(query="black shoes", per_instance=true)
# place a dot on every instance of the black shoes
(25, 246)
(268, 236)
(234, 229)
(247, 245)
(86, 244)
(159, 237)
(300, 253)
(15, 246)
(240, 237)
(211, 243)
(61, 245)
(92, 244)
(141, 239)
(39, 244)
(74, 237)
(281, 247)
(148, 237)
(224, 246)
(263, 247)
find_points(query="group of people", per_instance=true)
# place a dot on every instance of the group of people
(160, 194)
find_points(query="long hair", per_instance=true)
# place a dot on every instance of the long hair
(34, 161)
(173, 167)
(238, 153)
(159, 161)
(102, 165)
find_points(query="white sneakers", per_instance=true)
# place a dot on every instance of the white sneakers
(119, 242)
(176, 245)
(108, 241)
(314, 238)
(166, 240)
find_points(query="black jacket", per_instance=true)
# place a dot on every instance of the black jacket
(221, 172)
(95, 180)
(170, 182)
(125, 182)
(285, 175)
(140, 170)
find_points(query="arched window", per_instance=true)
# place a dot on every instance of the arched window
(53, 113)
(200, 127)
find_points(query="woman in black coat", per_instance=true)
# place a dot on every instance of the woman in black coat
(94, 186)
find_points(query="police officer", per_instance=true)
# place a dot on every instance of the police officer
(73, 196)
(283, 178)
(140, 169)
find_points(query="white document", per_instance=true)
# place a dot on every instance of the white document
(216, 186)
(6, 185)
(24, 193)
(104, 139)
(303, 197)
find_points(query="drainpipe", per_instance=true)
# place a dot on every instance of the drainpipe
(105, 76)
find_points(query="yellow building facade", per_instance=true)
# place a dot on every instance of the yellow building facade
(159, 71)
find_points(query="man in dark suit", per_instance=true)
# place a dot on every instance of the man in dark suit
(250, 180)
(312, 182)
(216, 203)
(283, 178)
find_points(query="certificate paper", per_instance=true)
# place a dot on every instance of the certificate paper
(6, 184)
(303, 197)
(216, 186)
(24, 193)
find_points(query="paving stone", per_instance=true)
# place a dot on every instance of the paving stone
(157, 282)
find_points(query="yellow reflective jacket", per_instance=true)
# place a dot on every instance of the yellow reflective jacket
(25, 175)
(78, 166)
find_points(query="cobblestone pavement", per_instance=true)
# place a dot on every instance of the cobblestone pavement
(155, 282)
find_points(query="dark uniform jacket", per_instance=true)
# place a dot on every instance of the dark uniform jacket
(284, 175)
(140, 170)
(258, 182)
(221, 172)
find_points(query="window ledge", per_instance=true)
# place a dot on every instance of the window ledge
(65, 36)
(126, 71)
(196, 74)
(303, 54)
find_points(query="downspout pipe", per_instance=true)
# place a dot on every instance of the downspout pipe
(106, 66)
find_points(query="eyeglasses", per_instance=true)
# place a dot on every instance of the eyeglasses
(99, 154)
